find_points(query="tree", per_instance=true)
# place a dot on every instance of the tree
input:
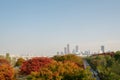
(107, 66)
(6, 71)
(61, 71)
(4, 61)
(19, 62)
(117, 56)
(34, 64)
(70, 57)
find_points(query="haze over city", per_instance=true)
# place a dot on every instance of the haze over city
(45, 27)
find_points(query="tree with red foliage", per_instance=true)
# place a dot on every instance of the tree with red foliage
(34, 64)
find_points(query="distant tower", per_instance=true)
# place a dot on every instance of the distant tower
(65, 50)
(76, 48)
(58, 53)
(73, 51)
(68, 48)
(102, 49)
(61, 53)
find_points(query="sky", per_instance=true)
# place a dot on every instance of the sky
(43, 27)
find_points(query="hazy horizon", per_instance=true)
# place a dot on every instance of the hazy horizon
(45, 27)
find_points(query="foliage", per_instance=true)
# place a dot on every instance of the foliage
(117, 56)
(34, 64)
(107, 66)
(4, 61)
(1, 56)
(61, 71)
(19, 62)
(69, 57)
(6, 71)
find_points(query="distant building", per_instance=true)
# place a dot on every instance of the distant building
(65, 50)
(76, 48)
(103, 49)
(58, 53)
(68, 48)
(61, 53)
(73, 51)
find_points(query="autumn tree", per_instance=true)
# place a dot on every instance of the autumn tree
(34, 64)
(6, 71)
(19, 61)
(61, 71)
(4, 61)
(69, 57)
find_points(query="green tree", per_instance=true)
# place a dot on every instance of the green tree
(117, 56)
(19, 62)
(69, 57)
(108, 67)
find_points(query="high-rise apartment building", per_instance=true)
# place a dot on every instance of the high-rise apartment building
(68, 48)
(58, 53)
(102, 49)
(76, 48)
(65, 50)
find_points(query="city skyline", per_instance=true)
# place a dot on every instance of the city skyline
(44, 27)
(75, 50)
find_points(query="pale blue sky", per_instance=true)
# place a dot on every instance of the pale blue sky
(43, 27)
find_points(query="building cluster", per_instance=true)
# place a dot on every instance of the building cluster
(76, 51)
(68, 51)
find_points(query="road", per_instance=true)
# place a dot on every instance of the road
(95, 74)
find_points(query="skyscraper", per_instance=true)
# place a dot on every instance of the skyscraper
(65, 50)
(68, 48)
(58, 53)
(102, 49)
(76, 48)
(73, 52)
(61, 53)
